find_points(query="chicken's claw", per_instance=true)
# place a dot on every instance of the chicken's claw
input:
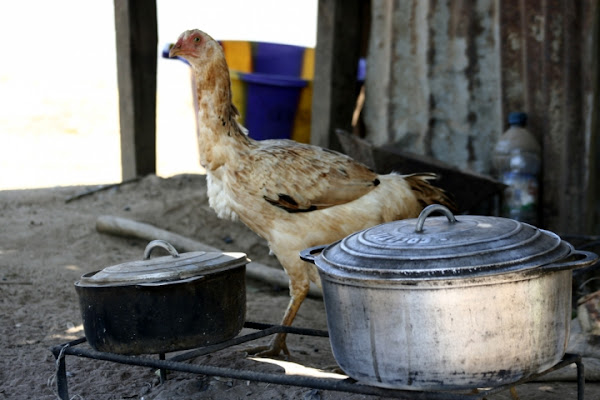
(275, 348)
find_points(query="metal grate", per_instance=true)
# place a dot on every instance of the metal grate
(177, 363)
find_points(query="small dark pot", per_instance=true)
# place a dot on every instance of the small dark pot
(165, 315)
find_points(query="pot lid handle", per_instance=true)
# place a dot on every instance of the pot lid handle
(431, 209)
(160, 243)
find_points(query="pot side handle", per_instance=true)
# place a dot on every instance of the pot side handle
(577, 259)
(159, 243)
(431, 209)
(308, 255)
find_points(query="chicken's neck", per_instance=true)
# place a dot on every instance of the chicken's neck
(220, 137)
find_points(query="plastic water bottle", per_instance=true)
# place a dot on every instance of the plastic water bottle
(517, 160)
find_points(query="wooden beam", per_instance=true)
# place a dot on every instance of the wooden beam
(339, 38)
(136, 40)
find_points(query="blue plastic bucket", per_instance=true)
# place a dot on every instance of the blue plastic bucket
(277, 59)
(271, 104)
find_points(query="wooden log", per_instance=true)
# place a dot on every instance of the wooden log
(128, 228)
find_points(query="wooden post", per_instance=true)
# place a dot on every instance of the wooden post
(339, 38)
(137, 39)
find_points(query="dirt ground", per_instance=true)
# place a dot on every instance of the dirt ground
(46, 244)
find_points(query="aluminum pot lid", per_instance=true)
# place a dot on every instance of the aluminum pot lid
(442, 247)
(166, 269)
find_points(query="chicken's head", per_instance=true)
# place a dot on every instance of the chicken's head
(195, 46)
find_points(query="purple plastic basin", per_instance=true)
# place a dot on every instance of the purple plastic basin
(272, 102)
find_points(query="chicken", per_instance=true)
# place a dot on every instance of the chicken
(291, 194)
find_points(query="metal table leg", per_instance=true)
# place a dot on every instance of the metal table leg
(62, 386)
(580, 379)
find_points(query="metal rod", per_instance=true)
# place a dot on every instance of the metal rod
(162, 373)
(344, 385)
(264, 330)
(580, 379)
(202, 351)
(287, 329)
(62, 386)
(568, 359)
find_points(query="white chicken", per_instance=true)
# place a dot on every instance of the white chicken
(293, 195)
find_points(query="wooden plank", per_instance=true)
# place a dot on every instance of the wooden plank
(339, 36)
(136, 41)
(472, 192)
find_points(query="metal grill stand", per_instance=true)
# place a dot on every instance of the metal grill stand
(176, 363)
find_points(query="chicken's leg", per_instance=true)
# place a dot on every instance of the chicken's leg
(297, 295)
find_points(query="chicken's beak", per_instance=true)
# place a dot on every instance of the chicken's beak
(175, 50)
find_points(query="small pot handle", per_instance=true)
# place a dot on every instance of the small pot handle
(577, 259)
(431, 209)
(159, 243)
(308, 255)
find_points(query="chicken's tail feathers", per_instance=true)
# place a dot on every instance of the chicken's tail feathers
(428, 193)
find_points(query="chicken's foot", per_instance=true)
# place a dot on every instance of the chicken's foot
(277, 345)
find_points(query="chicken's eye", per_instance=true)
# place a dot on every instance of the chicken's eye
(196, 39)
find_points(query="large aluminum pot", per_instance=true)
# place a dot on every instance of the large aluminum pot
(447, 303)
(164, 304)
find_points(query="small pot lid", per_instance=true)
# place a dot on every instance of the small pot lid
(442, 247)
(169, 268)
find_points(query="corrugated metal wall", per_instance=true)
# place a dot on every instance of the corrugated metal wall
(443, 75)
(548, 50)
(441, 85)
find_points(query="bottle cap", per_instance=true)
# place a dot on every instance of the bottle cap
(517, 118)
